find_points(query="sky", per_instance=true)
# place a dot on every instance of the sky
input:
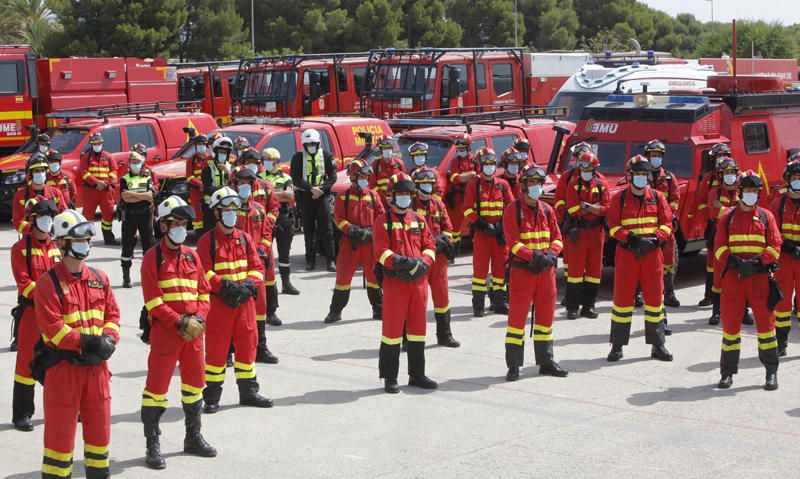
(784, 11)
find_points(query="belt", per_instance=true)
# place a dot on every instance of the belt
(584, 223)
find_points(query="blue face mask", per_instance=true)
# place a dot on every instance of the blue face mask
(489, 170)
(639, 181)
(426, 188)
(362, 184)
(587, 175)
(419, 160)
(245, 191)
(79, 250)
(178, 234)
(402, 202)
(795, 185)
(39, 178)
(512, 169)
(535, 191)
(136, 168)
(229, 218)
(44, 224)
(750, 199)
(268, 166)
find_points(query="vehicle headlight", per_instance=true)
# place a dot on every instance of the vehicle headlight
(180, 188)
(15, 177)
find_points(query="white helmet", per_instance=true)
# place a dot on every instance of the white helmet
(309, 136)
(70, 224)
(225, 196)
(222, 142)
(174, 208)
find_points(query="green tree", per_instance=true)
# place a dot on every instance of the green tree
(550, 24)
(213, 31)
(27, 21)
(604, 40)
(428, 26)
(487, 22)
(376, 24)
(143, 28)
(770, 40)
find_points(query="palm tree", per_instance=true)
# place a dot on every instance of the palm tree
(36, 21)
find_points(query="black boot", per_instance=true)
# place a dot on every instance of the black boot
(263, 354)
(589, 299)
(339, 300)
(272, 306)
(150, 418)
(638, 300)
(126, 274)
(444, 337)
(771, 383)
(499, 302)
(615, 354)
(726, 381)
(747, 318)
(543, 353)
(667, 330)
(108, 238)
(331, 266)
(707, 297)
(478, 303)
(669, 291)
(22, 407)
(194, 443)
(512, 374)
(388, 366)
(286, 284)
(416, 367)
(715, 317)
(661, 353)
(375, 296)
(248, 394)
(553, 369)
(211, 394)
(572, 297)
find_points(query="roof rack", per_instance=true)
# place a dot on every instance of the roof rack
(124, 109)
(419, 119)
(211, 65)
(258, 120)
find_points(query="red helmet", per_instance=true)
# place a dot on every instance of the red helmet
(792, 168)
(96, 138)
(533, 172)
(386, 142)
(720, 149)
(654, 146)
(511, 155)
(140, 148)
(424, 175)
(358, 167)
(400, 183)
(750, 179)
(521, 144)
(726, 163)
(486, 155)
(462, 140)
(638, 164)
(588, 159)
(40, 206)
(241, 143)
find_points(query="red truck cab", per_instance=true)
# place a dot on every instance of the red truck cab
(212, 84)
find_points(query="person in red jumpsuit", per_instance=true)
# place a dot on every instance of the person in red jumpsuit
(463, 168)
(485, 199)
(405, 248)
(176, 295)
(747, 247)
(254, 220)
(98, 170)
(719, 201)
(786, 210)
(640, 219)
(419, 156)
(435, 214)
(512, 162)
(56, 178)
(385, 167)
(586, 206)
(36, 172)
(532, 231)
(78, 317)
(234, 271)
(709, 181)
(31, 257)
(354, 212)
(194, 177)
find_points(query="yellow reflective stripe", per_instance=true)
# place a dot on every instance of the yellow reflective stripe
(110, 325)
(341, 287)
(539, 246)
(60, 335)
(27, 291)
(542, 337)
(58, 456)
(180, 297)
(590, 279)
(153, 303)
(492, 213)
(342, 224)
(514, 330)
(755, 238)
(204, 297)
(614, 230)
(791, 237)
(768, 334)
(621, 319)
(385, 256)
(535, 234)
(574, 209)
(57, 471)
(559, 203)
(468, 211)
(516, 247)
(215, 369)
(430, 254)
(441, 310)
(731, 337)
(95, 449)
(733, 347)
(574, 279)
(790, 226)
(22, 226)
(665, 229)
(720, 251)
(97, 463)
(415, 338)
(242, 263)
(191, 389)
(674, 205)
(24, 380)
(256, 274)
(234, 276)
(774, 252)
(372, 285)
(643, 231)
(391, 341)
(492, 204)
(702, 206)
(517, 341)
(747, 249)
(639, 221)
(209, 275)
(176, 282)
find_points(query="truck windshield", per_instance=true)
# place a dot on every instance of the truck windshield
(64, 141)
(576, 102)
(264, 85)
(399, 80)
(437, 150)
(677, 161)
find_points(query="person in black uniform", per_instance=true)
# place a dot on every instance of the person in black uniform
(137, 193)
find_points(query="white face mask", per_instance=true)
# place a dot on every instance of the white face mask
(461, 154)
(39, 178)
(535, 191)
(312, 150)
(97, 148)
(795, 185)
(524, 156)
(43, 148)
(268, 166)
(362, 184)
(426, 188)
(201, 149)
(252, 167)
(245, 191)
(402, 202)
(513, 169)
(587, 175)
(420, 160)
(222, 157)
(729, 180)
(656, 161)
(229, 218)
(639, 181)
(44, 224)
(750, 198)
(55, 167)
(489, 170)
(177, 235)
(387, 153)
(136, 168)
(79, 250)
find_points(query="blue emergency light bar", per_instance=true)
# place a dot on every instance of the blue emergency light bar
(689, 99)
(622, 98)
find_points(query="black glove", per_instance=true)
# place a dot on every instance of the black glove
(751, 266)
(443, 243)
(481, 224)
(354, 233)
(403, 263)
(647, 245)
(226, 288)
(105, 346)
(417, 271)
(251, 287)
(633, 240)
(541, 261)
(236, 296)
(101, 346)
(490, 229)
(733, 262)
(790, 249)
(366, 235)
(501, 234)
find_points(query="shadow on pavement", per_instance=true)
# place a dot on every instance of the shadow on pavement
(588, 365)
(172, 414)
(746, 363)
(318, 324)
(692, 394)
(468, 385)
(354, 354)
(329, 397)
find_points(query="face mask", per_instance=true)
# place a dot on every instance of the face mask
(55, 167)
(44, 224)
(656, 161)
(512, 169)
(795, 185)
(252, 167)
(489, 170)
(587, 175)
(222, 157)
(177, 235)
(750, 199)
(386, 154)
(202, 149)
(639, 181)
(426, 188)
(245, 191)
(461, 154)
(729, 180)
(402, 202)
(228, 218)
(97, 148)
(419, 160)
(535, 191)
(136, 168)
(362, 184)
(43, 148)
(524, 156)
(39, 178)
(268, 166)
(79, 250)
(311, 150)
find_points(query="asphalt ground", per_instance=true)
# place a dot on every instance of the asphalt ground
(636, 418)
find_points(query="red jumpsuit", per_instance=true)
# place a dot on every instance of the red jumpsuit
(585, 251)
(22, 195)
(516, 186)
(666, 183)
(727, 198)
(235, 258)
(455, 208)
(173, 288)
(648, 216)
(438, 191)
(356, 208)
(559, 203)
(63, 183)
(787, 214)
(529, 229)
(194, 172)
(87, 306)
(93, 169)
(405, 301)
(30, 258)
(489, 204)
(438, 222)
(381, 173)
(709, 181)
(254, 221)
(264, 195)
(747, 234)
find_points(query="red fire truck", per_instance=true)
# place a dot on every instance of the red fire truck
(213, 85)
(32, 87)
(754, 115)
